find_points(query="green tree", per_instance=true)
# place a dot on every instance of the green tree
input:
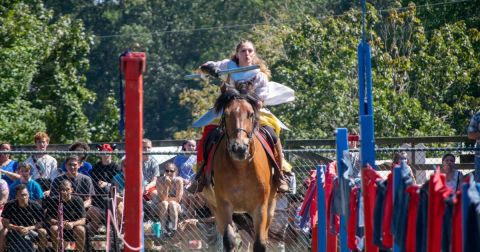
(417, 79)
(43, 82)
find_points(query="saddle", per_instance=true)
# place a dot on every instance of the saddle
(216, 135)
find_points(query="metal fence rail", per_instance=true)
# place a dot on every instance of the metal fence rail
(195, 229)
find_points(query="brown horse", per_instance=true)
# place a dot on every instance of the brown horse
(242, 172)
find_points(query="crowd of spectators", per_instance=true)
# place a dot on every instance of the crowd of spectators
(66, 199)
(41, 200)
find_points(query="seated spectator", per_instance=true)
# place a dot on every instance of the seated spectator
(102, 174)
(454, 177)
(23, 218)
(119, 179)
(185, 162)
(119, 182)
(400, 157)
(73, 213)
(8, 167)
(44, 167)
(85, 167)
(82, 184)
(170, 192)
(150, 170)
(3, 201)
(3, 194)
(34, 190)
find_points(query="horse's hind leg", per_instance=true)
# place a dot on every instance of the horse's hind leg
(260, 218)
(223, 216)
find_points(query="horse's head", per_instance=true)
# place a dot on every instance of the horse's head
(239, 120)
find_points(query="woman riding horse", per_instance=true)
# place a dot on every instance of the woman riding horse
(243, 175)
(245, 55)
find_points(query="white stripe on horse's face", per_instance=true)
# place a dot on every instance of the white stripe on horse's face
(238, 126)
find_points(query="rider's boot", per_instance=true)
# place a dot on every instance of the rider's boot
(283, 184)
(199, 181)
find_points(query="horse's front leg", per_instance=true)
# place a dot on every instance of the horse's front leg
(260, 219)
(271, 208)
(223, 217)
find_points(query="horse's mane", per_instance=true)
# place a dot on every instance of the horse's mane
(234, 94)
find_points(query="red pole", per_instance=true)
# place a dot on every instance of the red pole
(133, 66)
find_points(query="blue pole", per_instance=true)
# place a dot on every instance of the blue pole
(465, 204)
(321, 208)
(397, 174)
(361, 79)
(367, 139)
(342, 145)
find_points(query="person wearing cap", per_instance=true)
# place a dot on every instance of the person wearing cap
(104, 170)
(102, 174)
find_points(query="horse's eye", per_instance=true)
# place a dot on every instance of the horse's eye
(250, 115)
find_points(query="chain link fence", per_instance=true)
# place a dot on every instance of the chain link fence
(425, 160)
(86, 203)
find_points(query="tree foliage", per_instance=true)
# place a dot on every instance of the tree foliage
(423, 85)
(58, 78)
(42, 75)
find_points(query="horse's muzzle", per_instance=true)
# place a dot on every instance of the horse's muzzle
(238, 150)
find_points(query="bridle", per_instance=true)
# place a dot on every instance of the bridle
(223, 127)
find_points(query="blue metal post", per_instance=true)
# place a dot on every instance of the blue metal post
(397, 174)
(465, 204)
(367, 132)
(321, 208)
(342, 145)
(367, 140)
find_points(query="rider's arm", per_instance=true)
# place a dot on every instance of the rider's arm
(261, 86)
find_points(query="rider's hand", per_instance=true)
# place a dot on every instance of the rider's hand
(210, 68)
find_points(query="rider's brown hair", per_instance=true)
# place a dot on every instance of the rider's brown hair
(256, 60)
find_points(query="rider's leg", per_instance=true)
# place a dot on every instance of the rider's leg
(202, 153)
(283, 186)
(279, 158)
